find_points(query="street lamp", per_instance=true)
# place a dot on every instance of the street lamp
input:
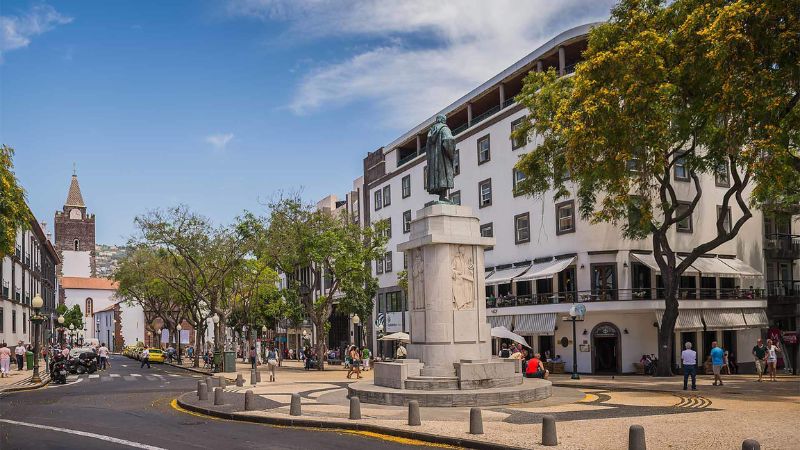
(218, 356)
(356, 334)
(71, 334)
(61, 329)
(37, 304)
(179, 328)
(576, 312)
(379, 331)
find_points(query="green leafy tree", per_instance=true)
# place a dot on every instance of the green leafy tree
(713, 85)
(72, 316)
(14, 212)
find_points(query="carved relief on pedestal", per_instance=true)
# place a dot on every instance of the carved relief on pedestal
(463, 274)
(418, 278)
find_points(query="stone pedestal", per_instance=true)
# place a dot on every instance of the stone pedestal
(446, 289)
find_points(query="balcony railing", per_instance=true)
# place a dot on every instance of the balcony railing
(481, 117)
(783, 288)
(509, 102)
(612, 295)
(782, 246)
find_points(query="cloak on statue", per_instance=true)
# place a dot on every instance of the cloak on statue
(441, 152)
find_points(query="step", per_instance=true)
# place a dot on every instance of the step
(422, 383)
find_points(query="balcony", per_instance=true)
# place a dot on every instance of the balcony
(4, 292)
(783, 289)
(782, 246)
(613, 295)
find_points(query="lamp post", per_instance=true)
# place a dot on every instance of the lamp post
(356, 331)
(576, 312)
(37, 304)
(379, 331)
(61, 330)
(71, 334)
(179, 328)
(218, 358)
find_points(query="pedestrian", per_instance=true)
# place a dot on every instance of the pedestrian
(760, 357)
(19, 352)
(252, 356)
(365, 355)
(535, 368)
(772, 359)
(272, 362)
(5, 360)
(102, 352)
(504, 352)
(689, 363)
(717, 361)
(145, 358)
(355, 364)
(401, 352)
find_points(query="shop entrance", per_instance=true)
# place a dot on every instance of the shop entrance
(606, 352)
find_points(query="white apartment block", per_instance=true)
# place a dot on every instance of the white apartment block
(546, 257)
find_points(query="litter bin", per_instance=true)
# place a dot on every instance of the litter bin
(217, 361)
(230, 362)
(29, 360)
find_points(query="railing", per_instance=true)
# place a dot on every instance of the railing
(612, 295)
(779, 245)
(509, 102)
(459, 129)
(570, 68)
(408, 158)
(490, 112)
(18, 252)
(783, 288)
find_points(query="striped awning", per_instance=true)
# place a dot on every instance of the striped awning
(688, 319)
(724, 319)
(500, 321)
(535, 324)
(755, 318)
(547, 269)
(505, 275)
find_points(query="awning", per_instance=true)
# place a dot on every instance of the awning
(649, 260)
(724, 319)
(741, 267)
(714, 267)
(503, 333)
(535, 324)
(547, 269)
(399, 336)
(505, 275)
(499, 321)
(755, 318)
(688, 319)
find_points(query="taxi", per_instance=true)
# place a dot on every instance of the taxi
(156, 355)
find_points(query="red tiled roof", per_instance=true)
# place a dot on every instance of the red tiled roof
(88, 283)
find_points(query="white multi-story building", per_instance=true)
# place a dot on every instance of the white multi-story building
(546, 257)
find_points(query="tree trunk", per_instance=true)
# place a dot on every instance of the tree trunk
(198, 341)
(319, 331)
(667, 329)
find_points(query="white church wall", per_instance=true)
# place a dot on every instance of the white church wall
(77, 264)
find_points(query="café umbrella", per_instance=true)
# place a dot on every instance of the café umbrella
(503, 333)
(399, 336)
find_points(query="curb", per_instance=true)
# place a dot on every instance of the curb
(25, 388)
(198, 371)
(355, 426)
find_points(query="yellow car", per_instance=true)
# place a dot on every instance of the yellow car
(156, 355)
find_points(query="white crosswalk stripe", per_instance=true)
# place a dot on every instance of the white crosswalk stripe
(94, 376)
(136, 374)
(114, 375)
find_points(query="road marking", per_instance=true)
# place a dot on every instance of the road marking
(174, 375)
(124, 365)
(85, 434)
(129, 378)
(136, 374)
(114, 375)
(149, 378)
(93, 376)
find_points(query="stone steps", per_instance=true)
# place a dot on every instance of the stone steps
(423, 383)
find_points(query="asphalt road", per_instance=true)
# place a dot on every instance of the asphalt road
(128, 407)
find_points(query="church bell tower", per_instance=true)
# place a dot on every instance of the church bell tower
(75, 235)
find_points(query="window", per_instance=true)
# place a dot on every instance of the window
(487, 230)
(517, 143)
(632, 164)
(604, 281)
(13, 321)
(483, 150)
(388, 232)
(387, 195)
(89, 307)
(2, 320)
(565, 217)
(456, 162)
(681, 172)
(394, 302)
(77, 245)
(405, 261)
(425, 177)
(378, 199)
(635, 214)
(455, 197)
(24, 322)
(726, 221)
(685, 225)
(407, 221)
(518, 177)
(387, 262)
(406, 186)
(379, 265)
(522, 228)
(722, 177)
(485, 193)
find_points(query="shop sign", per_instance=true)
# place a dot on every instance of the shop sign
(790, 337)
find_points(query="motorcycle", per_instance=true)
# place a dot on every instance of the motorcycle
(59, 369)
(86, 362)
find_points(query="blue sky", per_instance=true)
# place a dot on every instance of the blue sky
(219, 105)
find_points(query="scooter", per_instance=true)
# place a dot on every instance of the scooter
(58, 369)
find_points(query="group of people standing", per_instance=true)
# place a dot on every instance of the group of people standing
(5, 357)
(765, 356)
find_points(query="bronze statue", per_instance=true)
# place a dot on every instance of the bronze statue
(441, 147)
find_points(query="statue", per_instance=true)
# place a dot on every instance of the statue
(441, 148)
(463, 274)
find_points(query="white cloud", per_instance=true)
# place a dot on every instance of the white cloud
(17, 31)
(219, 141)
(429, 53)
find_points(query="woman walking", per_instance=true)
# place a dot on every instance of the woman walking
(272, 362)
(355, 363)
(5, 360)
(772, 359)
(252, 356)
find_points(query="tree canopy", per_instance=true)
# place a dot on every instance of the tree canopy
(14, 212)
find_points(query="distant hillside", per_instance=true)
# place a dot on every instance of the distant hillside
(108, 257)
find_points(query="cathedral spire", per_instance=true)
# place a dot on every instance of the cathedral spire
(74, 197)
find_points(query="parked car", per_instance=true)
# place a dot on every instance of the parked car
(156, 355)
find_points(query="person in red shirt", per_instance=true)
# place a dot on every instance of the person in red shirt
(536, 368)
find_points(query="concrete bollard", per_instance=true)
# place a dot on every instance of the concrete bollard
(253, 380)
(475, 421)
(203, 391)
(636, 440)
(294, 409)
(209, 384)
(413, 413)
(258, 376)
(223, 382)
(355, 408)
(751, 444)
(249, 401)
(218, 396)
(549, 436)
(239, 380)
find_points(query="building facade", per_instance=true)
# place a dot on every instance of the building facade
(546, 258)
(75, 235)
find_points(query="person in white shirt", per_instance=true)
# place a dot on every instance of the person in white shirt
(19, 352)
(689, 363)
(401, 352)
(145, 358)
(102, 352)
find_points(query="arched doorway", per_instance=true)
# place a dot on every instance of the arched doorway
(606, 351)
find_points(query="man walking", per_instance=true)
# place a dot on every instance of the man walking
(19, 352)
(760, 355)
(145, 357)
(717, 361)
(689, 363)
(102, 352)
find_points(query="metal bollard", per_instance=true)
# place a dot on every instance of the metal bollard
(413, 413)
(249, 401)
(253, 377)
(218, 396)
(475, 421)
(751, 444)
(203, 392)
(549, 436)
(258, 376)
(636, 440)
(294, 409)
(355, 408)
(239, 380)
